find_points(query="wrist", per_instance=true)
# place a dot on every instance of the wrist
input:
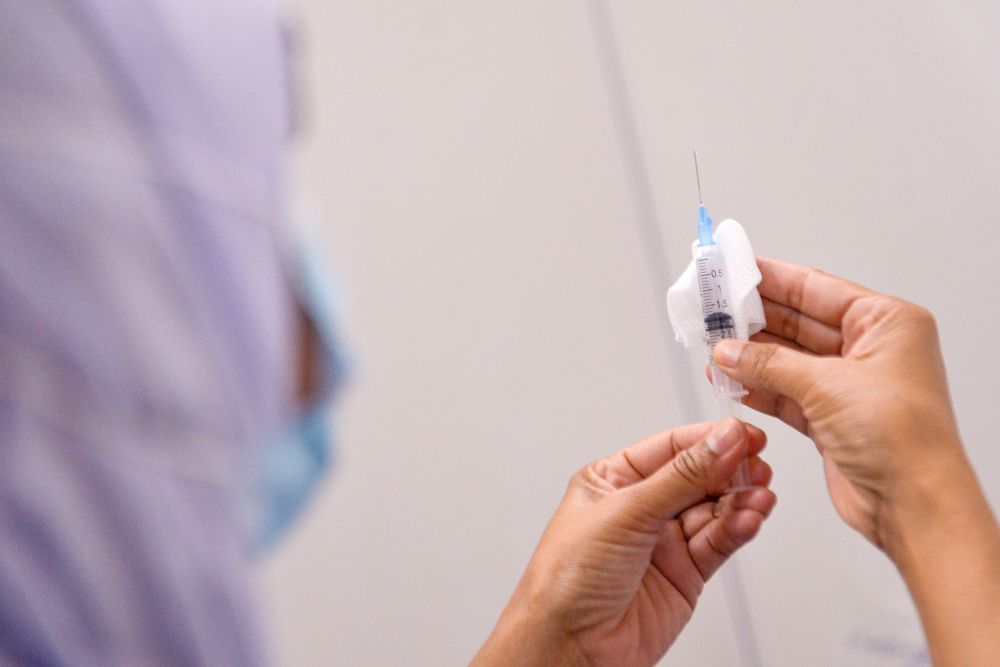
(940, 521)
(527, 634)
(941, 498)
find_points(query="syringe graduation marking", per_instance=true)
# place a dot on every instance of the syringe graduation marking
(719, 322)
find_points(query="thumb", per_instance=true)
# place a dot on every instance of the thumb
(698, 471)
(774, 368)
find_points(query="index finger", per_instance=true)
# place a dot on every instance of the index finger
(810, 291)
(649, 455)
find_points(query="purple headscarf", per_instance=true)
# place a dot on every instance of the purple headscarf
(146, 329)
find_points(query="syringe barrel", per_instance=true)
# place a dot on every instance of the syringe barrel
(725, 386)
(719, 325)
(732, 406)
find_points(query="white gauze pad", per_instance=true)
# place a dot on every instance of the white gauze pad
(742, 277)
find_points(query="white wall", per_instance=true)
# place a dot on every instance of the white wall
(470, 183)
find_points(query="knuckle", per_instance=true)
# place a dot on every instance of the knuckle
(692, 467)
(789, 325)
(870, 303)
(721, 546)
(596, 468)
(583, 477)
(760, 359)
(869, 310)
(588, 474)
(796, 295)
(921, 316)
(916, 317)
(592, 479)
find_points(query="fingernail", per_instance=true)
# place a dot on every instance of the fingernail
(727, 353)
(725, 436)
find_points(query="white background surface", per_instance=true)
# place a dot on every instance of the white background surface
(471, 192)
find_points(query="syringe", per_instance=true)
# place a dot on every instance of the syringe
(719, 324)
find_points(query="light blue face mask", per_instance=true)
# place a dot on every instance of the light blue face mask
(289, 469)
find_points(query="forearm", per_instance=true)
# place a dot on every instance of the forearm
(946, 544)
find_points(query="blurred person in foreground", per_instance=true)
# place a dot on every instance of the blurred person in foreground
(167, 356)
